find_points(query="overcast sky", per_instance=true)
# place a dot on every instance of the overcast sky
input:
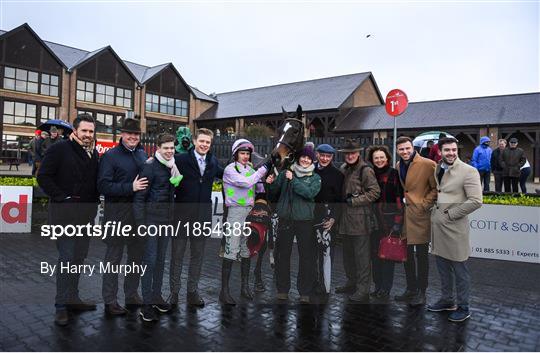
(431, 50)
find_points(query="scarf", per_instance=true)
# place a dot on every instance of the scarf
(404, 167)
(88, 149)
(176, 177)
(300, 172)
(381, 171)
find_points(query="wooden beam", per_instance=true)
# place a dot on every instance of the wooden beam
(529, 136)
(470, 138)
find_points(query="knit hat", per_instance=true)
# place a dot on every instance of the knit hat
(242, 145)
(308, 151)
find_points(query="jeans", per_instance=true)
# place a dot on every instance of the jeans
(114, 254)
(485, 178)
(306, 241)
(511, 184)
(71, 251)
(154, 259)
(523, 179)
(417, 267)
(452, 272)
(356, 261)
(178, 248)
(383, 270)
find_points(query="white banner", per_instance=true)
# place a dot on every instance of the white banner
(506, 233)
(217, 213)
(16, 209)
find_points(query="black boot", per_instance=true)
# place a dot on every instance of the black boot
(246, 291)
(259, 284)
(224, 295)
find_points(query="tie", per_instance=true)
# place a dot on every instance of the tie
(201, 165)
(440, 174)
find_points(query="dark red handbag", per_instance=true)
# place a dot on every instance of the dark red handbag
(393, 248)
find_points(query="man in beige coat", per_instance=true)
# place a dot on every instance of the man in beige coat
(459, 194)
(416, 176)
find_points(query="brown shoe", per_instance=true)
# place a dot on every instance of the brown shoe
(195, 299)
(79, 305)
(134, 302)
(115, 309)
(61, 317)
(282, 296)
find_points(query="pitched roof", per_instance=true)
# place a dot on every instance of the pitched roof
(499, 110)
(319, 94)
(72, 57)
(202, 96)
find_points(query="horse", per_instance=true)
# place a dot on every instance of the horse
(284, 154)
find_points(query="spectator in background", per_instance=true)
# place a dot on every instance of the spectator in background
(39, 153)
(52, 139)
(425, 151)
(523, 175)
(32, 150)
(511, 160)
(496, 167)
(481, 160)
(435, 153)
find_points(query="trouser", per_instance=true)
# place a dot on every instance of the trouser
(417, 267)
(71, 251)
(452, 272)
(196, 246)
(113, 255)
(498, 182)
(485, 178)
(356, 261)
(523, 179)
(511, 184)
(236, 243)
(383, 270)
(155, 250)
(307, 252)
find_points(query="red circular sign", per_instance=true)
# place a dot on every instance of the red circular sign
(396, 102)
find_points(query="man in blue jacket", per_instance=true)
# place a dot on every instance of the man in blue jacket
(481, 160)
(194, 207)
(118, 180)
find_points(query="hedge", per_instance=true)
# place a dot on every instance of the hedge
(491, 198)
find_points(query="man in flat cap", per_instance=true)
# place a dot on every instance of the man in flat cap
(511, 160)
(360, 190)
(118, 180)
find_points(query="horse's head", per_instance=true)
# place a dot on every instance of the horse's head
(291, 140)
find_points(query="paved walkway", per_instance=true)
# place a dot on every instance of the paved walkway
(505, 313)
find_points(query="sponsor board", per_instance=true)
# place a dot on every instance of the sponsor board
(506, 233)
(16, 209)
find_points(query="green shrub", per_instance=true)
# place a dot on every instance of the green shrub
(512, 200)
(18, 181)
(217, 186)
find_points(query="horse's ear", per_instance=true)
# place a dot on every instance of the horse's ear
(299, 112)
(284, 113)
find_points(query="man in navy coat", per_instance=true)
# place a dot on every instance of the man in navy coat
(193, 205)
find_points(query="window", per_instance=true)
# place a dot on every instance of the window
(48, 113)
(49, 85)
(104, 94)
(181, 107)
(123, 97)
(19, 113)
(85, 91)
(21, 80)
(104, 123)
(166, 105)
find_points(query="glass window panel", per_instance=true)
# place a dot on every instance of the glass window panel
(32, 87)
(163, 108)
(54, 91)
(127, 103)
(9, 83)
(21, 75)
(45, 89)
(33, 76)
(170, 110)
(80, 95)
(9, 119)
(9, 72)
(155, 107)
(54, 80)
(109, 100)
(127, 93)
(90, 86)
(110, 90)
(109, 120)
(170, 101)
(19, 120)
(148, 97)
(80, 85)
(52, 113)
(20, 85)
(20, 109)
(155, 99)
(184, 104)
(9, 108)
(30, 121)
(89, 96)
(44, 111)
(119, 92)
(45, 78)
(31, 110)
(100, 89)
(100, 98)
(148, 106)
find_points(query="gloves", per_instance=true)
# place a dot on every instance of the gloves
(268, 164)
